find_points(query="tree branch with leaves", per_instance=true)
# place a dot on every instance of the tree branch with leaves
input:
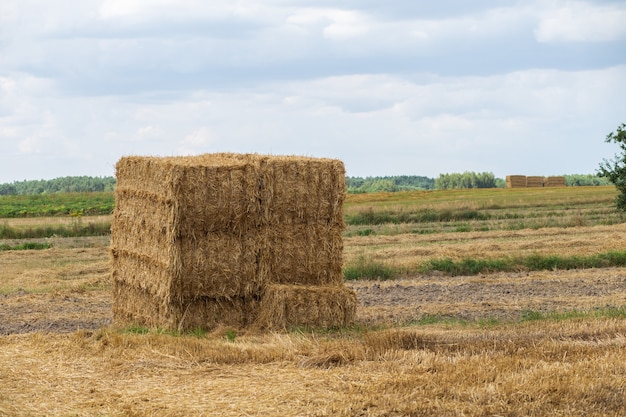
(615, 170)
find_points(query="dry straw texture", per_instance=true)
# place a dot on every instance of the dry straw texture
(554, 181)
(284, 306)
(534, 181)
(134, 305)
(515, 181)
(223, 227)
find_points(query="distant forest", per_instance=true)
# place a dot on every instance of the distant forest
(59, 185)
(356, 185)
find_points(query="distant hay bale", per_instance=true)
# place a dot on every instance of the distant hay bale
(515, 181)
(285, 306)
(558, 181)
(192, 232)
(521, 181)
(534, 181)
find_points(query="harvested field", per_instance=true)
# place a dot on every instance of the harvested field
(529, 342)
(415, 339)
(408, 251)
(503, 297)
(538, 368)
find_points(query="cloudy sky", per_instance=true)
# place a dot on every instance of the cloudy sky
(397, 87)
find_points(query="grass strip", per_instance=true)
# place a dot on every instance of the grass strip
(378, 217)
(530, 263)
(26, 246)
(76, 229)
(364, 268)
(611, 312)
(198, 332)
(601, 312)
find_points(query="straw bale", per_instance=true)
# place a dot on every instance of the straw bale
(515, 181)
(134, 305)
(147, 174)
(219, 265)
(297, 190)
(302, 254)
(221, 198)
(534, 181)
(285, 306)
(236, 192)
(558, 181)
(192, 233)
(141, 272)
(210, 266)
(142, 224)
(208, 193)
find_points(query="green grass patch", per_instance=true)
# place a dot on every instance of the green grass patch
(25, 246)
(439, 319)
(435, 319)
(141, 330)
(466, 266)
(370, 216)
(530, 263)
(602, 312)
(135, 329)
(602, 260)
(365, 268)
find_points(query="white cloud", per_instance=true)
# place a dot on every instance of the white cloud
(196, 142)
(479, 25)
(167, 10)
(414, 87)
(29, 145)
(148, 132)
(575, 21)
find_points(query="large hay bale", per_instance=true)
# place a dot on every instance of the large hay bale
(285, 306)
(534, 181)
(222, 227)
(558, 181)
(515, 181)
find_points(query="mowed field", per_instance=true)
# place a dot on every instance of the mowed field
(471, 302)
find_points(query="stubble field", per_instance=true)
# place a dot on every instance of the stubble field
(466, 308)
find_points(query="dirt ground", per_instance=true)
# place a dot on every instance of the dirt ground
(54, 313)
(494, 296)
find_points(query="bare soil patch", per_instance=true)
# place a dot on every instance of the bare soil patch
(54, 313)
(503, 296)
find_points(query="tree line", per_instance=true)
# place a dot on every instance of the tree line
(355, 185)
(79, 184)
(359, 185)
